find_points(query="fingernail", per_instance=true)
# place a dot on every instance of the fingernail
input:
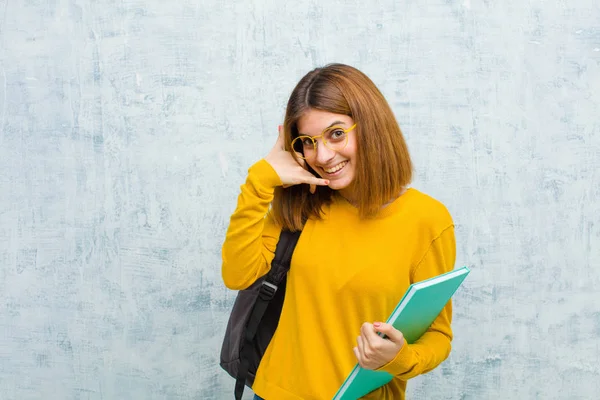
(377, 324)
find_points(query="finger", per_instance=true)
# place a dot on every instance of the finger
(313, 189)
(280, 138)
(358, 356)
(301, 161)
(360, 344)
(389, 331)
(313, 180)
(368, 333)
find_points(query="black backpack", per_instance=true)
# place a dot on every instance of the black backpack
(254, 317)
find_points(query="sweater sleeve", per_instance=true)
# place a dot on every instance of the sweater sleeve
(434, 346)
(252, 236)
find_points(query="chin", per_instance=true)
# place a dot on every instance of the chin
(339, 185)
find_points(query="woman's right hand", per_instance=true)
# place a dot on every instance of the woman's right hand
(291, 171)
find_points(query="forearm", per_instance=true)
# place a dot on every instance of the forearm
(250, 240)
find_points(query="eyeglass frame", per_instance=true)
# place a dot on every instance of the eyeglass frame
(314, 138)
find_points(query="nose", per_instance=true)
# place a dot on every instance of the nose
(324, 154)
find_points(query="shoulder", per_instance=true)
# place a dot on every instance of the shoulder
(427, 212)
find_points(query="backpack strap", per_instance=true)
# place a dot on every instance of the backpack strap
(279, 269)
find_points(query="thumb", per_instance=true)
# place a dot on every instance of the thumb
(280, 138)
(389, 331)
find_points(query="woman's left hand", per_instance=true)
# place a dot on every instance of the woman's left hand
(373, 351)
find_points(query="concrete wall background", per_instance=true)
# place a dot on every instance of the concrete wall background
(126, 128)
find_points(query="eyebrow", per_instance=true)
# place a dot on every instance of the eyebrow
(334, 123)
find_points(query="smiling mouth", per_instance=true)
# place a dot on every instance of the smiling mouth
(335, 169)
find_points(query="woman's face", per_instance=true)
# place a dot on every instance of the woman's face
(336, 165)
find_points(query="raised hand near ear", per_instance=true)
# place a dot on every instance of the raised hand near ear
(291, 171)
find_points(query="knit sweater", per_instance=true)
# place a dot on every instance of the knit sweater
(345, 271)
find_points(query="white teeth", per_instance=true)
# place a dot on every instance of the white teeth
(336, 168)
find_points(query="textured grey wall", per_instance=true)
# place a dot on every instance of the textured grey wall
(126, 128)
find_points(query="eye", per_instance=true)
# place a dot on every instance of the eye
(337, 134)
(307, 142)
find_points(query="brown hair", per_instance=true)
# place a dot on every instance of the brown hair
(383, 164)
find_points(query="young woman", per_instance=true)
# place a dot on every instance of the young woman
(339, 172)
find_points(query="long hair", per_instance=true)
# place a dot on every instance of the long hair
(383, 165)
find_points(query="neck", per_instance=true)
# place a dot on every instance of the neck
(351, 198)
(349, 195)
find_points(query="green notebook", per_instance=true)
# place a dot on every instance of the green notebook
(414, 314)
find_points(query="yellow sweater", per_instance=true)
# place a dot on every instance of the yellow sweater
(345, 271)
